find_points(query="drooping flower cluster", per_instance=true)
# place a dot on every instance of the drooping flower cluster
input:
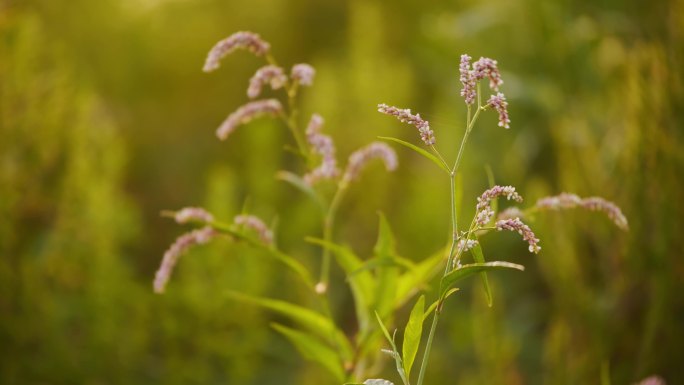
(322, 145)
(484, 211)
(487, 68)
(177, 249)
(269, 74)
(405, 116)
(360, 158)
(499, 103)
(240, 40)
(469, 91)
(192, 214)
(303, 74)
(247, 113)
(257, 225)
(569, 201)
(516, 224)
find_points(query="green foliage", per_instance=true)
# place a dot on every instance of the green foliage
(412, 334)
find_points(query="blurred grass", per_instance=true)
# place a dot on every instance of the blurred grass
(106, 119)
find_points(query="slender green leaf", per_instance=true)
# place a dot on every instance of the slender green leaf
(313, 350)
(308, 319)
(361, 283)
(296, 181)
(412, 335)
(478, 256)
(468, 270)
(418, 150)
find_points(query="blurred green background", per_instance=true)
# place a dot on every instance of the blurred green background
(106, 119)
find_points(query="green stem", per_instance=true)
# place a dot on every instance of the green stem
(328, 222)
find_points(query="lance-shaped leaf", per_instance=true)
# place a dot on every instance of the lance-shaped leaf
(478, 256)
(361, 282)
(466, 271)
(412, 335)
(434, 305)
(308, 319)
(313, 350)
(418, 150)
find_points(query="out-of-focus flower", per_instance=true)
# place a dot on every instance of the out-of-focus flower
(252, 222)
(322, 145)
(192, 214)
(569, 201)
(303, 74)
(360, 158)
(239, 40)
(405, 116)
(177, 249)
(269, 74)
(247, 113)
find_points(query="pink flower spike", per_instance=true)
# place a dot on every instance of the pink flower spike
(484, 212)
(487, 68)
(322, 145)
(469, 91)
(249, 41)
(303, 74)
(499, 103)
(571, 201)
(177, 249)
(247, 113)
(256, 224)
(269, 74)
(360, 158)
(516, 224)
(405, 116)
(192, 214)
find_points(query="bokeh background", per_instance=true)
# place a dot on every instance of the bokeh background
(106, 119)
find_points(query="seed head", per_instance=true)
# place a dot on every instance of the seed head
(405, 116)
(178, 248)
(249, 41)
(516, 224)
(303, 74)
(269, 74)
(499, 103)
(256, 224)
(192, 214)
(360, 158)
(247, 113)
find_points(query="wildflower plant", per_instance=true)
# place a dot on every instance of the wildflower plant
(384, 283)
